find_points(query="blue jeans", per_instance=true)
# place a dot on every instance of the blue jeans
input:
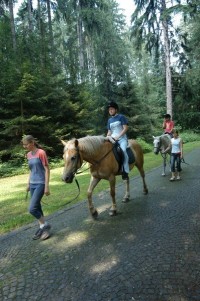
(37, 192)
(123, 142)
(175, 158)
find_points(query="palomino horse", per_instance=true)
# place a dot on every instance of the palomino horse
(161, 143)
(97, 151)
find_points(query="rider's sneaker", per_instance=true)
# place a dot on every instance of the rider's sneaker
(172, 179)
(178, 177)
(125, 176)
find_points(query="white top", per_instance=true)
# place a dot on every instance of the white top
(176, 145)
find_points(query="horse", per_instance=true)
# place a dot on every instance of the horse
(161, 143)
(98, 152)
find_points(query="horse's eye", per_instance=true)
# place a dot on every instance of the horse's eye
(73, 158)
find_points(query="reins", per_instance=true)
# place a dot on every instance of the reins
(70, 201)
(77, 183)
(79, 172)
(96, 162)
(183, 161)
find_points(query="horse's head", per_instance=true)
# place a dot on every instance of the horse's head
(156, 144)
(72, 160)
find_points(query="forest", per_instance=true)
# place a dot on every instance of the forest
(62, 61)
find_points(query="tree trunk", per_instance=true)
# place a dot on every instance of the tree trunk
(50, 25)
(167, 64)
(80, 43)
(40, 27)
(30, 19)
(12, 25)
(80, 39)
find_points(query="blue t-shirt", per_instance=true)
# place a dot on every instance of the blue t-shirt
(115, 124)
(36, 164)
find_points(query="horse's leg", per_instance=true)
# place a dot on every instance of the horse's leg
(93, 184)
(126, 197)
(164, 164)
(113, 210)
(142, 173)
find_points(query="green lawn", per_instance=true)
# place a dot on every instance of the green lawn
(13, 206)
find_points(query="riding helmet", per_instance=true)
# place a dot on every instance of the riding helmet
(113, 104)
(167, 116)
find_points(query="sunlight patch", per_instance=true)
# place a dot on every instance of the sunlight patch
(164, 204)
(76, 238)
(104, 266)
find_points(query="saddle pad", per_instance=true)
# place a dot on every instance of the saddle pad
(119, 155)
(131, 157)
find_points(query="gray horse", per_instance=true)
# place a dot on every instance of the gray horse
(161, 143)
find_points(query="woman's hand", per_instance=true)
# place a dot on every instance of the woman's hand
(46, 191)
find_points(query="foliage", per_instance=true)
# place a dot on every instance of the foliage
(146, 147)
(60, 67)
(189, 136)
(187, 84)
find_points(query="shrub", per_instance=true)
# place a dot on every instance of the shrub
(189, 136)
(146, 147)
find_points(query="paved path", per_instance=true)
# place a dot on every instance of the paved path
(149, 252)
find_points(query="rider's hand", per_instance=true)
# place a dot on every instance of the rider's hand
(115, 138)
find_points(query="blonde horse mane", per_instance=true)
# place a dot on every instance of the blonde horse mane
(91, 144)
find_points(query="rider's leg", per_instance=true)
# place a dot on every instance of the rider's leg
(123, 144)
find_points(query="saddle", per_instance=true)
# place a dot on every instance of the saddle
(119, 155)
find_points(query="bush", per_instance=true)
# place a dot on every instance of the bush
(9, 169)
(189, 136)
(146, 147)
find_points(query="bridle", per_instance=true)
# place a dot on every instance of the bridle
(92, 163)
(157, 148)
(77, 171)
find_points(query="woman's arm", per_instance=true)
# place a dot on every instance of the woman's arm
(181, 147)
(47, 176)
(164, 124)
(28, 184)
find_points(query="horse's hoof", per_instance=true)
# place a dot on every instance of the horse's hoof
(95, 214)
(163, 174)
(125, 200)
(113, 212)
(146, 191)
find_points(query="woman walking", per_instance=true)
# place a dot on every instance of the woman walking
(176, 155)
(38, 183)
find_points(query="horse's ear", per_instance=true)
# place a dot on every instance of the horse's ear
(153, 137)
(76, 142)
(63, 142)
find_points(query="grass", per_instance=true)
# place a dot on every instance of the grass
(14, 207)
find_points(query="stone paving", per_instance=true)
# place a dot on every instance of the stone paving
(149, 252)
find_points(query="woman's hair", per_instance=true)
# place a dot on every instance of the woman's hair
(31, 139)
(175, 131)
